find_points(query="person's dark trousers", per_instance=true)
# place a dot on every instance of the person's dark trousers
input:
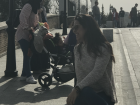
(114, 22)
(131, 22)
(44, 18)
(134, 21)
(89, 97)
(24, 44)
(40, 61)
(97, 18)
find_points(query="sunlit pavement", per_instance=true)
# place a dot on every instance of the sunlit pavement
(126, 46)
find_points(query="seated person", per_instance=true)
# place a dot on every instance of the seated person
(55, 45)
(70, 41)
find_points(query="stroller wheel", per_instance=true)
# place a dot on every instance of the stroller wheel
(45, 80)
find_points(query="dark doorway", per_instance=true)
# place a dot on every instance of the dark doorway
(71, 9)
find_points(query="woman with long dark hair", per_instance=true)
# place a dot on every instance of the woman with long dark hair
(28, 19)
(93, 65)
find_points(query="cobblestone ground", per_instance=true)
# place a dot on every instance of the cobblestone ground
(126, 46)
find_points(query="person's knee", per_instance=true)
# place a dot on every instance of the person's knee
(86, 90)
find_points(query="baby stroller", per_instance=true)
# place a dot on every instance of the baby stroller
(61, 74)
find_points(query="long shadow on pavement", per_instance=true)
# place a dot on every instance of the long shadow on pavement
(14, 92)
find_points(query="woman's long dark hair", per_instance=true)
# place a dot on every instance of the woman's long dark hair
(35, 5)
(93, 37)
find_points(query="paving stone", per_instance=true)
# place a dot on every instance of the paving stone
(125, 79)
(131, 101)
(138, 100)
(134, 52)
(120, 101)
(135, 85)
(129, 93)
(118, 78)
(119, 92)
(134, 79)
(136, 67)
(137, 91)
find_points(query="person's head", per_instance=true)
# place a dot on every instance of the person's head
(57, 40)
(114, 10)
(87, 31)
(35, 5)
(42, 3)
(96, 3)
(121, 8)
(136, 5)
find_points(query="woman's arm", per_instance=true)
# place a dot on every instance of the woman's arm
(24, 16)
(98, 70)
(66, 39)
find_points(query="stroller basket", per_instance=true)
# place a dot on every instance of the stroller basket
(66, 73)
(65, 77)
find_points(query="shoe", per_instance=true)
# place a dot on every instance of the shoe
(31, 80)
(22, 78)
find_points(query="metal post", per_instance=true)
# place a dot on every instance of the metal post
(78, 6)
(65, 20)
(11, 61)
(87, 3)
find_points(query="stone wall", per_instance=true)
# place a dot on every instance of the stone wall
(53, 20)
(4, 39)
(3, 42)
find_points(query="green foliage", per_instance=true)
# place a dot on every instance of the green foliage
(110, 17)
(103, 16)
(46, 5)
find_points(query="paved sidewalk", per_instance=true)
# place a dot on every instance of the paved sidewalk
(131, 45)
(126, 46)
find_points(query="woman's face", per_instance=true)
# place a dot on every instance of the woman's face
(79, 31)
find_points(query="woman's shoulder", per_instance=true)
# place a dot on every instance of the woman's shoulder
(27, 5)
(76, 46)
(82, 46)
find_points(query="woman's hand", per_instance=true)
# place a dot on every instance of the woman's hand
(30, 37)
(40, 10)
(72, 97)
(32, 30)
(47, 36)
